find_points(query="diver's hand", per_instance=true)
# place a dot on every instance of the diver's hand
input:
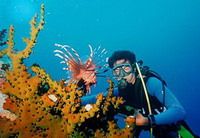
(141, 120)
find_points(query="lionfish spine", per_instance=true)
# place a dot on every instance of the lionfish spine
(100, 56)
(63, 62)
(66, 50)
(75, 53)
(64, 47)
(103, 51)
(65, 68)
(61, 52)
(68, 54)
(90, 57)
(99, 47)
(91, 51)
(58, 55)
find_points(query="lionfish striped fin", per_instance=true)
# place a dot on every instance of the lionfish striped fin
(61, 52)
(75, 53)
(76, 56)
(100, 55)
(91, 51)
(89, 61)
(69, 55)
(60, 56)
(62, 62)
(96, 49)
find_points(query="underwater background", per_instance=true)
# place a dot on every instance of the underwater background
(164, 34)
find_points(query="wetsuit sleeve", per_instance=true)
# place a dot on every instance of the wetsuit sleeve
(174, 111)
(91, 99)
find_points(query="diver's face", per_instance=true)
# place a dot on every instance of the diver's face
(123, 70)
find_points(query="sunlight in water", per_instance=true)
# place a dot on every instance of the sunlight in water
(21, 10)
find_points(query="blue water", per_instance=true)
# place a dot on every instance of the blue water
(164, 34)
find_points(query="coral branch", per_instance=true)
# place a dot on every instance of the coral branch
(10, 43)
(35, 29)
(17, 58)
(41, 107)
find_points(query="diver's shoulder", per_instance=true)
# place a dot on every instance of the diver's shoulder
(153, 82)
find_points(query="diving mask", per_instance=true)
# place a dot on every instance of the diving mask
(122, 70)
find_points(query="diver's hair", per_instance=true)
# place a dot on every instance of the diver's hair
(121, 54)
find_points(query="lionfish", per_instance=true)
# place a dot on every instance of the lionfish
(80, 71)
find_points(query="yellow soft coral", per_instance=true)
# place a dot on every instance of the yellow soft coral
(43, 107)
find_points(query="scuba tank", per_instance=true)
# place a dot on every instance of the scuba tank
(181, 127)
(184, 131)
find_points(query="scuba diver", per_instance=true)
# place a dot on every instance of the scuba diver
(164, 111)
(147, 98)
